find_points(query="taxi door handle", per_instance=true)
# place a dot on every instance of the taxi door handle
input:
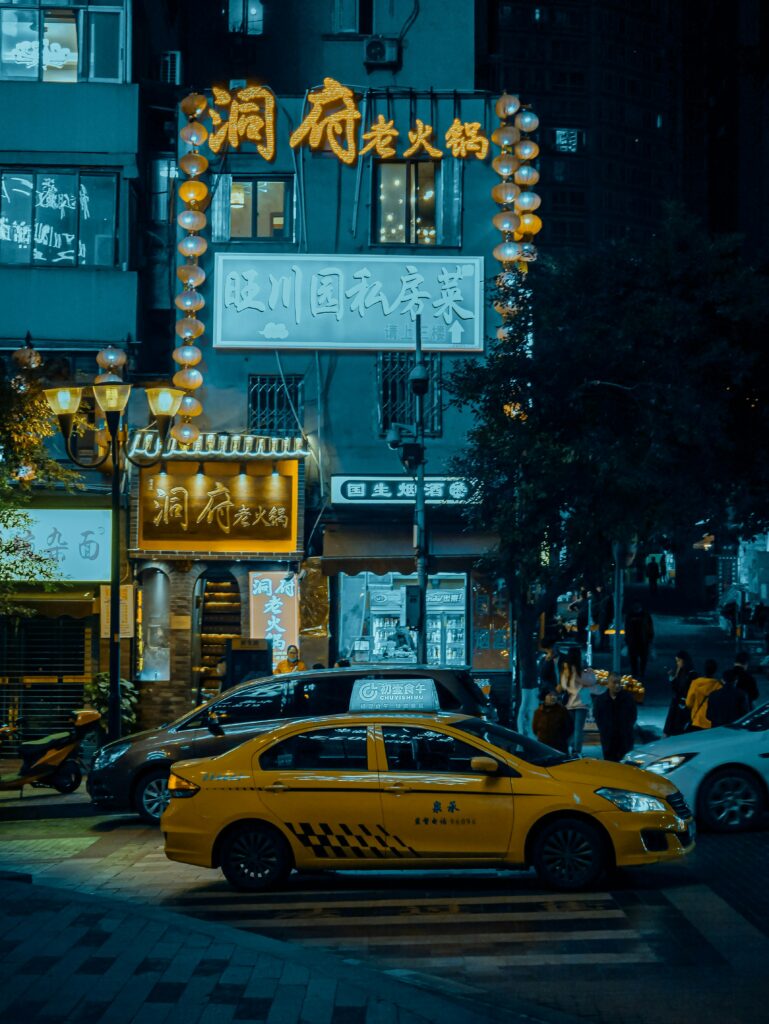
(277, 787)
(397, 788)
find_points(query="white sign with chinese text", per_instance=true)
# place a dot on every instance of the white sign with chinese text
(127, 617)
(79, 540)
(399, 490)
(274, 610)
(348, 302)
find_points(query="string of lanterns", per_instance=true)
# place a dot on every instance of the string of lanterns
(189, 302)
(517, 219)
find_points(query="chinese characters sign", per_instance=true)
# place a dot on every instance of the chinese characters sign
(394, 695)
(78, 540)
(332, 121)
(230, 507)
(348, 302)
(398, 490)
(274, 610)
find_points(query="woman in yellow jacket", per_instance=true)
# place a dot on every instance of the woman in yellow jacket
(697, 697)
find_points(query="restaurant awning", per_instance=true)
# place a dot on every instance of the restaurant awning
(389, 547)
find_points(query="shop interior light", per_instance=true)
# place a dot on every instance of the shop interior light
(274, 469)
(112, 397)
(201, 469)
(242, 469)
(64, 401)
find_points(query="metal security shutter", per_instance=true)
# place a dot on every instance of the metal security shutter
(43, 665)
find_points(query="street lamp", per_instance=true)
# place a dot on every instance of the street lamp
(111, 393)
(409, 442)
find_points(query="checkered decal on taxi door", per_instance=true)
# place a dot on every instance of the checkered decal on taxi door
(351, 842)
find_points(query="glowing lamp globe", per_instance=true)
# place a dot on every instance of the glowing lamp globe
(193, 164)
(190, 406)
(185, 433)
(505, 165)
(64, 401)
(507, 252)
(187, 355)
(194, 104)
(527, 202)
(506, 221)
(189, 328)
(193, 191)
(527, 150)
(164, 401)
(505, 192)
(111, 358)
(191, 274)
(192, 245)
(189, 301)
(188, 378)
(192, 220)
(527, 121)
(112, 397)
(506, 106)
(527, 175)
(194, 133)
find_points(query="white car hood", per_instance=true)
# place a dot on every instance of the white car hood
(689, 743)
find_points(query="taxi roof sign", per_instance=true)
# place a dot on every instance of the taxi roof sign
(417, 694)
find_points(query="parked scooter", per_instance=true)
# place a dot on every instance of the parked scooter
(54, 760)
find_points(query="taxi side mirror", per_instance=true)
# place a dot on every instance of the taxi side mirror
(486, 765)
(214, 726)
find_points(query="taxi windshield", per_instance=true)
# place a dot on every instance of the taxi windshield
(531, 751)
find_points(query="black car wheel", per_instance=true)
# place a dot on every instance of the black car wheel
(255, 857)
(67, 777)
(152, 797)
(730, 801)
(569, 854)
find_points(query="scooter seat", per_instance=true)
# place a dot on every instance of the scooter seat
(52, 742)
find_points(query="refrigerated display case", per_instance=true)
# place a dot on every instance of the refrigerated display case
(446, 627)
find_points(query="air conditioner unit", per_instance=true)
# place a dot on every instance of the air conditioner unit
(379, 52)
(171, 67)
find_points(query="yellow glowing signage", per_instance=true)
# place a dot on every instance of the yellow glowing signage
(251, 115)
(331, 123)
(219, 507)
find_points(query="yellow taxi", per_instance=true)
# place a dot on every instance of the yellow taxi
(416, 790)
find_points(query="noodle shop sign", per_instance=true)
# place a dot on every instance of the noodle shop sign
(226, 507)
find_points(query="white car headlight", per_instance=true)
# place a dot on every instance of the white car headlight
(626, 800)
(666, 765)
(108, 755)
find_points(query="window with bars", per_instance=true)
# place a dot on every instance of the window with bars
(275, 404)
(395, 400)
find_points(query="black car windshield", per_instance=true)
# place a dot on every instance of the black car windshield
(531, 751)
(755, 721)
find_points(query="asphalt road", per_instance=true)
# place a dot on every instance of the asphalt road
(697, 930)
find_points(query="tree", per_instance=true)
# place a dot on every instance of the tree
(622, 400)
(25, 426)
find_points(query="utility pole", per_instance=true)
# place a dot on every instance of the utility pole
(616, 654)
(409, 441)
(419, 382)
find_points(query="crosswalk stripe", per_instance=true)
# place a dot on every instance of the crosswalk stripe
(237, 919)
(482, 964)
(244, 903)
(616, 935)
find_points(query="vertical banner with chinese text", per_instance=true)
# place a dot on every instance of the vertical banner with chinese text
(274, 610)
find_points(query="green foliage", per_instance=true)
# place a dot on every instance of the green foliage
(96, 694)
(25, 428)
(635, 380)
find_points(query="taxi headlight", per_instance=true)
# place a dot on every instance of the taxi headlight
(666, 765)
(626, 800)
(108, 755)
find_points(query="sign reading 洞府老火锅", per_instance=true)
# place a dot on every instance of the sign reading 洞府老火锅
(348, 302)
(399, 490)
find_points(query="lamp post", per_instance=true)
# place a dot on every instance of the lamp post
(409, 441)
(111, 393)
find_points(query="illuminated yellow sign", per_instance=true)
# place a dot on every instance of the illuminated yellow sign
(219, 507)
(331, 123)
(251, 115)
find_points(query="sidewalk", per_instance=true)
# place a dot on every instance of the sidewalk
(68, 956)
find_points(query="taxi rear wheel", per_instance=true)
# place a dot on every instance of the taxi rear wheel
(254, 857)
(569, 854)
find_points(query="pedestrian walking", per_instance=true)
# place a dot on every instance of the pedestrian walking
(529, 702)
(652, 574)
(745, 680)
(552, 722)
(639, 634)
(728, 703)
(697, 697)
(547, 670)
(615, 713)
(681, 677)
(576, 683)
(663, 567)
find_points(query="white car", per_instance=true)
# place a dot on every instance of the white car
(723, 773)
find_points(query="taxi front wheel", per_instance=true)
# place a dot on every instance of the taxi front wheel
(569, 854)
(255, 857)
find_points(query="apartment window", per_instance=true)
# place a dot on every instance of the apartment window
(77, 42)
(57, 218)
(249, 207)
(567, 140)
(395, 398)
(355, 16)
(164, 171)
(407, 203)
(246, 17)
(275, 404)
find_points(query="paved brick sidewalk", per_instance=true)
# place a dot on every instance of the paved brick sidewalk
(69, 957)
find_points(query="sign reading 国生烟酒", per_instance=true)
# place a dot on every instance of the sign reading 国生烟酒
(399, 490)
(348, 302)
